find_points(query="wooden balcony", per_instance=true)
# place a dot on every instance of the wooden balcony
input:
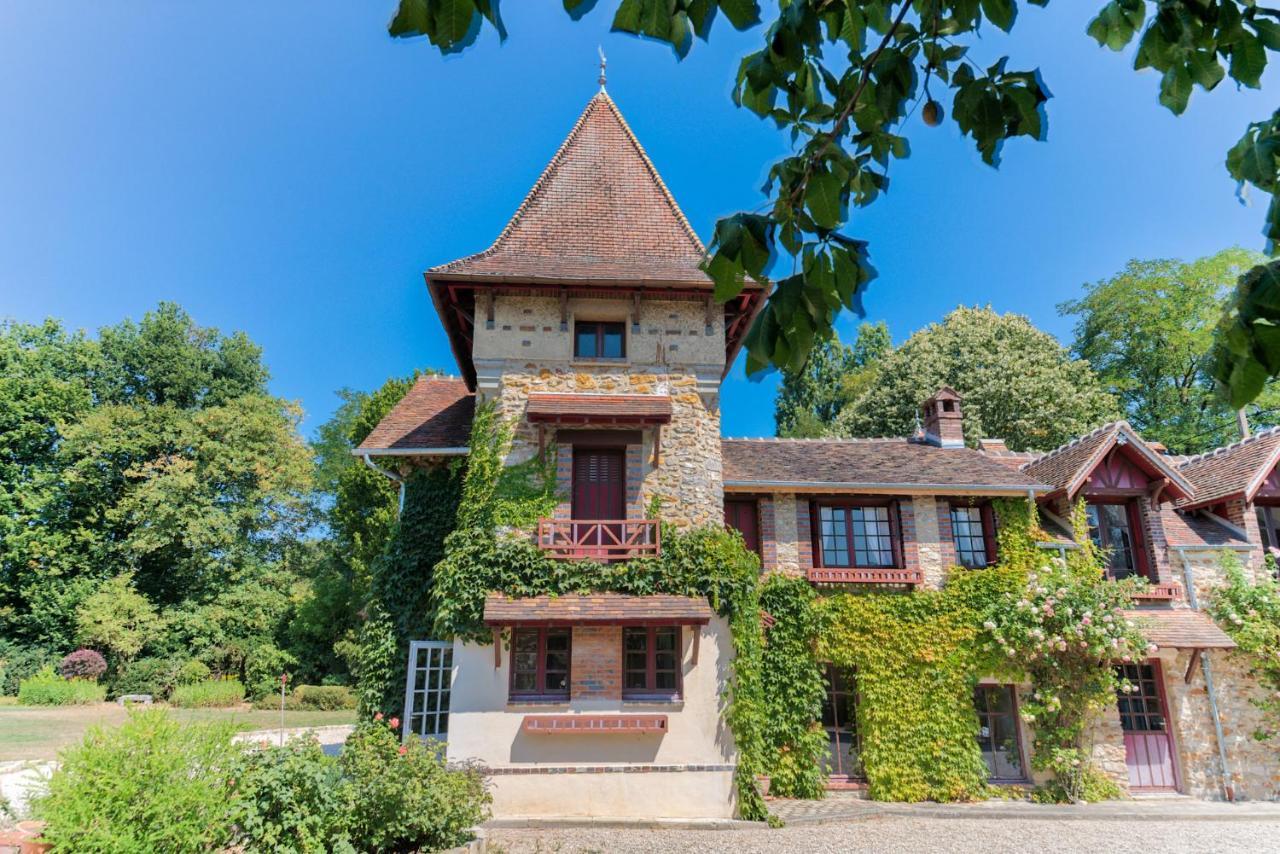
(599, 539)
(862, 575)
(1156, 592)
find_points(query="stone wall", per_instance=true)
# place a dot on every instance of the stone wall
(671, 333)
(688, 476)
(1254, 765)
(926, 550)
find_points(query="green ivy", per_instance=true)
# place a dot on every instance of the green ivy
(792, 680)
(1250, 614)
(483, 555)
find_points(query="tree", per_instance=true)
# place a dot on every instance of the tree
(117, 618)
(810, 399)
(359, 516)
(1148, 332)
(149, 464)
(1018, 383)
(841, 77)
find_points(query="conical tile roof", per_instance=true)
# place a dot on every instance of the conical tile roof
(599, 214)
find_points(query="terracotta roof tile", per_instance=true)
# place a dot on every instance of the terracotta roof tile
(1183, 528)
(435, 413)
(1180, 628)
(599, 408)
(1233, 470)
(598, 213)
(1065, 468)
(851, 464)
(597, 608)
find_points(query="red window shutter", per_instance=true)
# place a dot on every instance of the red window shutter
(742, 516)
(1139, 535)
(989, 533)
(895, 533)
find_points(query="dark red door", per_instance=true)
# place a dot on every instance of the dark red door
(740, 514)
(599, 492)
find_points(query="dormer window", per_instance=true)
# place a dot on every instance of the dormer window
(1115, 526)
(597, 339)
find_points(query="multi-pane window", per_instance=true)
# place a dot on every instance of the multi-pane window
(1140, 706)
(595, 339)
(427, 689)
(857, 535)
(840, 720)
(998, 731)
(651, 662)
(1113, 528)
(971, 530)
(540, 662)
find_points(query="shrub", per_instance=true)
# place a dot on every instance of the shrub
(155, 676)
(211, 694)
(320, 698)
(325, 698)
(47, 688)
(148, 785)
(83, 664)
(21, 662)
(289, 798)
(404, 797)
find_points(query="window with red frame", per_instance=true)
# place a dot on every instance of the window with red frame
(973, 531)
(651, 662)
(1116, 528)
(858, 535)
(594, 339)
(540, 663)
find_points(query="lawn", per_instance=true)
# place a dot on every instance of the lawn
(36, 732)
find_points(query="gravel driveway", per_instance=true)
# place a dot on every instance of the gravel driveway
(900, 833)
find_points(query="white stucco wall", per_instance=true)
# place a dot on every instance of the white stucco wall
(485, 728)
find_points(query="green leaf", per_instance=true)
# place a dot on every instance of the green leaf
(1248, 59)
(1175, 89)
(627, 18)
(1205, 69)
(741, 13)
(453, 21)
(410, 19)
(822, 199)
(1000, 12)
(1268, 33)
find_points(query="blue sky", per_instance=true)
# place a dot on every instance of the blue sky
(289, 170)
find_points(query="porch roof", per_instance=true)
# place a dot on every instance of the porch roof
(601, 609)
(552, 408)
(1180, 628)
(433, 418)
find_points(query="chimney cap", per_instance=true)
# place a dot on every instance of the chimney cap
(946, 393)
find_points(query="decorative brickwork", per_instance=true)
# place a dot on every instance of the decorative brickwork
(804, 536)
(768, 535)
(595, 672)
(946, 537)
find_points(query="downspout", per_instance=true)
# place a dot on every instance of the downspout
(1227, 791)
(397, 478)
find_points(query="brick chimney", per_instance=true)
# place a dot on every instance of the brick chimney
(943, 424)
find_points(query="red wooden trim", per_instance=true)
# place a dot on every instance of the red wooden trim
(1139, 536)
(651, 691)
(565, 623)
(599, 539)
(601, 328)
(540, 691)
(1162, 592)
(863, 575)
(845, 503)
(593, 724)
(989, 534)
(1191, 665)
(895, 533)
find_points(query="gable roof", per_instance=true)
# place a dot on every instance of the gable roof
(1068, 467)
(866, 465)
(1192, 529)
(434, 416)
(1239, 469)
(599, 213)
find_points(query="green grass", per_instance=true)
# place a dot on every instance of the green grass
(37, 732)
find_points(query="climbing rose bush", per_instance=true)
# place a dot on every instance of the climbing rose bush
(1063, 632)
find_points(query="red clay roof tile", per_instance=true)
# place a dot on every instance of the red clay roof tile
(1233, 470)
(1180, 628)
(435, 413)
(599, 408)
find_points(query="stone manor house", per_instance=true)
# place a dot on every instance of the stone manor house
(591, 325)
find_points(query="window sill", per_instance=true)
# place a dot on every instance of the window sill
(600, 362)
(516, 702)
(666, 702)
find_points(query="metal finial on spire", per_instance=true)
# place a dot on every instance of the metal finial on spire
(603, 63)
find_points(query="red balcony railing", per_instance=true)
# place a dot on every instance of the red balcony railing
(860, 575)
(603, 540)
